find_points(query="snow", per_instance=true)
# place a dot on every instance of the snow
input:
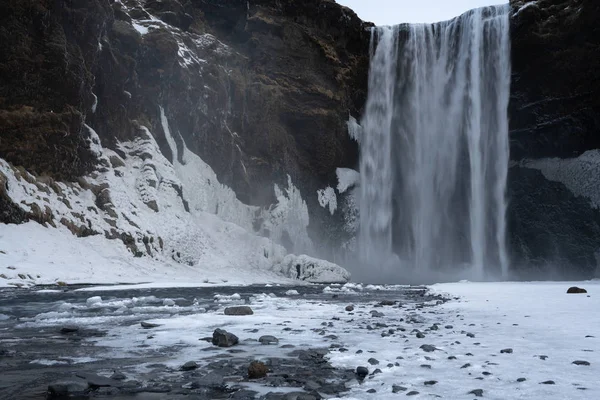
(580, 175)
(327, 199)
(140, 28)
(347, 178)
(525, 6)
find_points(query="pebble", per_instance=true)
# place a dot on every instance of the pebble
(581, 362)
(428, 348)
(396, 389)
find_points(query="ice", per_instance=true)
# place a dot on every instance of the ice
(354, 129)
(292, 292)
(312, 270)
(93, 301)
(327, 199)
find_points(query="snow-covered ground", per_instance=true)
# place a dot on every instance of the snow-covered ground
(545, 329)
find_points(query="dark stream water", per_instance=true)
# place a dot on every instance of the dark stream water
(35, 351)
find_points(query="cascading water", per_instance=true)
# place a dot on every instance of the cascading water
(434, 153)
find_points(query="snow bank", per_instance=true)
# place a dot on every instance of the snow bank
(141, 218)
(312, 270)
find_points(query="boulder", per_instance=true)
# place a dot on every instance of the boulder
(576, 290)
(222, 338)
(257, 370)
(238, 310)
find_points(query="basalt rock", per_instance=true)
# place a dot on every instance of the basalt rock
(554, 115)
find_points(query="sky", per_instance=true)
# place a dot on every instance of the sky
(392, 12)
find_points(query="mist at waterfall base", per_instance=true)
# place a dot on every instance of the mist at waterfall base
(434, 151)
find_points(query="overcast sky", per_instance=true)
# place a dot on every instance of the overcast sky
(392, 12)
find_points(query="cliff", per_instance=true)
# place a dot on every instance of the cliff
(554, 112)
(258, 90)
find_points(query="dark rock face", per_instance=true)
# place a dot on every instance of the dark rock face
(549, 227)
(554, 113)
(576, 290)
(258, 90)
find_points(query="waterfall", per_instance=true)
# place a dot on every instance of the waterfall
(434, 153)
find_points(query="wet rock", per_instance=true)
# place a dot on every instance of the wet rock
(189, 366)
(412, 393)
(430, 383)
(420, 335)
(96, 381)
(477, 392)
(373, 361)
(371, 391)
(548, 383)
(257, 370)
(467, 365)
(506, 351)
(69, 329)
(576, 290)
(361, 372)
(387, 303)
(239, 310)
(268, 339)
(118, 376)
(149, 325)
(471, 335)
(581, 362)
(222, 338)
(212, 380)
(521, 380)
(67, 389)
(350, 308)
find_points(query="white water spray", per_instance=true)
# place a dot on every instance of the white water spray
(434, 154)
